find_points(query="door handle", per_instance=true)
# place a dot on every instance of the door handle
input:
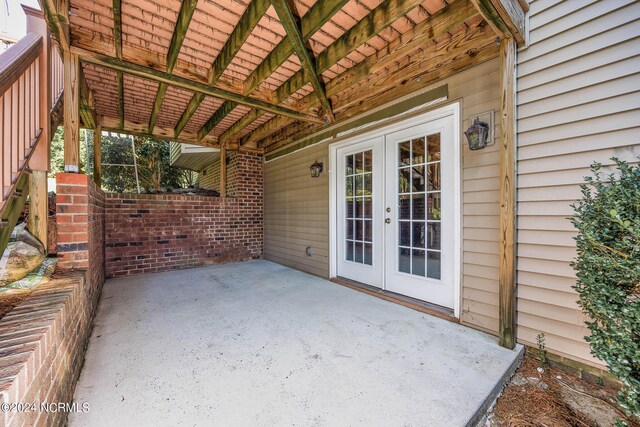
(387, 221)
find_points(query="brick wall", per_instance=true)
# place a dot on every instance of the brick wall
(43, 340)
(80, 218)
(150, 233)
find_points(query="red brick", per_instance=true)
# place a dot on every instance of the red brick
(71, 178)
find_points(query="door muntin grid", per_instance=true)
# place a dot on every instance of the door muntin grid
(419, 221)
(359, 207)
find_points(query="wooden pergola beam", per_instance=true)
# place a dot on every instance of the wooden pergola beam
(506, 17)
(120, 100)
(321, 12)
(377, 20)
(112, 124)
(311, 22)
(291, 26)
(58, 22)
(182, 25)
(449, 60)
(249, 19)
(117, 27)
(131, 68)
(507, 269)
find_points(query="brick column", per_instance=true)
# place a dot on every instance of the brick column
(73, 220)
(80, 223)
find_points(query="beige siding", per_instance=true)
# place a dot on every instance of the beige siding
(209, 177)
(297, 206)
(297, 211)
(578, 102)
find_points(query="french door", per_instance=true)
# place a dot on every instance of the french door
(396, 211)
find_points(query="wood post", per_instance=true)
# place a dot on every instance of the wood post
(71, 112)
(223, 171)
(38, 206)
(97, 156)
(39, 161)
(507, 270)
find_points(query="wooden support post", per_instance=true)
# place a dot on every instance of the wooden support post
(223, 171)
(507, 297)
(97, 156)
(38, 206)
(71, 112)
(39, 161)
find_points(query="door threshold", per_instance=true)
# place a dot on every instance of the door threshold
(413, 303)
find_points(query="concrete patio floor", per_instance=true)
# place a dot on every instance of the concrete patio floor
(259, 344)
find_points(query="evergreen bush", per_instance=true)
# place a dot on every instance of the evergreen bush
(608, 273)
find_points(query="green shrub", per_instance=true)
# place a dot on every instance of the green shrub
(608, 270)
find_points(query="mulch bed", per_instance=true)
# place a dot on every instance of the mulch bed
(535, 399)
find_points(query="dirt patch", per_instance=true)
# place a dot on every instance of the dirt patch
(8, 300)
(554, 398)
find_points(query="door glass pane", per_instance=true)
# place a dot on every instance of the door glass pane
(368, 161)
(433, 148)
(404, 154)
(417, 262)
(404, 179)
(359, 160)
(350, 208)
(368, 231)
(418, 234)
(433, 265)
(417, 151)
(433, 235)
(434, 208)
(359, 255)
(404, 260)
(404, 207)
(419, 206)
(368, 207)
(359, 205)
(368, 253)
(405, 233)
(417, 178)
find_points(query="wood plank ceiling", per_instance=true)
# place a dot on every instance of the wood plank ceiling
(258, 74)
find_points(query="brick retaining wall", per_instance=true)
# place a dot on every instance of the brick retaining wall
(150, 233)
(43, 340)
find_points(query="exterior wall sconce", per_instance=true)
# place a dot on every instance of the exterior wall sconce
(316, 169)
(477, 135)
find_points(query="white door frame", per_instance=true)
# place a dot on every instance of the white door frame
(452, 109)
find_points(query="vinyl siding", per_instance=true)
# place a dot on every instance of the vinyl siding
(578, 102)
(297, 206)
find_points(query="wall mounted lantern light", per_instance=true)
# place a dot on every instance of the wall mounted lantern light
(477, 135)
(316, 169)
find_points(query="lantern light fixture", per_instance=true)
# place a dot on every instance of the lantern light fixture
(316, 169)
(477, 135)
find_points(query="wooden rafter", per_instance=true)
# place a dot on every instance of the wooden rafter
(506, 17)
(249, 19)
(311, 22)
(182, 25)
(120, 100)
(117, 27)
(138, 129)
(58, 22)
(110, 62)
(371, 25)
(424, 33)
(291, 26)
